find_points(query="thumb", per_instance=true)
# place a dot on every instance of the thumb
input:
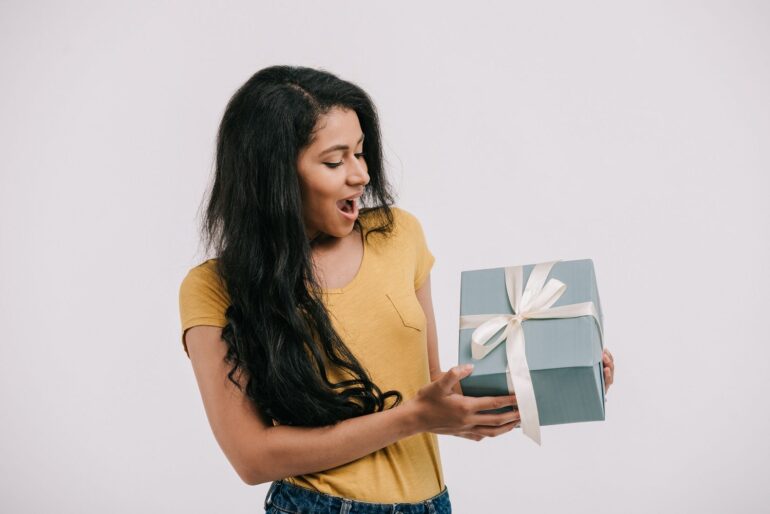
(453, 377)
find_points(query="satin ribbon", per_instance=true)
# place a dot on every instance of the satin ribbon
(533, 303)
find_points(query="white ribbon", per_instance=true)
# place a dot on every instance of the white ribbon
(534, 303)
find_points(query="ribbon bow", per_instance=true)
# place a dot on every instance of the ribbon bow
(533, 303)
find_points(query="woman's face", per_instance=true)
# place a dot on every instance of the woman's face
(331, 170)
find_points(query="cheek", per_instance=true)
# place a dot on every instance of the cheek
(321, 196)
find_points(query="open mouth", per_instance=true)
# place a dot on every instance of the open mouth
(348, 207)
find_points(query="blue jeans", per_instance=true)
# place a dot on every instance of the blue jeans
(283, 498)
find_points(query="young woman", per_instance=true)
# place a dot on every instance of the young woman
(311, 334)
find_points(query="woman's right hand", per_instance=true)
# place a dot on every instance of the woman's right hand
(440, 408)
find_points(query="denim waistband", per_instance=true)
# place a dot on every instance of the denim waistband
(292, 499)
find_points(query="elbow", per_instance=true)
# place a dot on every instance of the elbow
(264, 464)
(256, 475)
(252, 463)
(247, 478)
(258, 479)
(244, 472)
(259, 466)
(251, 477)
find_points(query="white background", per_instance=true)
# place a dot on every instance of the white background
(635, 134)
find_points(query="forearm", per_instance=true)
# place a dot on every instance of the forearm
(290, 450)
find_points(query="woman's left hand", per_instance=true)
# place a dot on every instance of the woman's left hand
(609, 369)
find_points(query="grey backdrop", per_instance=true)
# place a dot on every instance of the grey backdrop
(635, 134)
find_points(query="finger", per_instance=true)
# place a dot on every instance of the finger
(609, 376)
(495, 431)
(494, 420)
(471, 435)
(608, 356)
(492, 402)
(468, 435)
(452, 377)
(608, 364)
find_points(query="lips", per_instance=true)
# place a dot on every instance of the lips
(341, 204)
(349, 202)
(348, 207)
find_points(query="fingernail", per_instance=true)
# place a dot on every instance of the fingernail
(468, 366)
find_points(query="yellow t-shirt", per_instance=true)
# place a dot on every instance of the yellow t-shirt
(380, 319)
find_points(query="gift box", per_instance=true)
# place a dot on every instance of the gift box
(536, 331)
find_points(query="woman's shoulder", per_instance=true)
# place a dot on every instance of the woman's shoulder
(202, 298)
(203, 279)
(407, 225)
(407, 217)
(403, 220)
(206, 270)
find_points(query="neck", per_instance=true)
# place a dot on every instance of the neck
(318, 236)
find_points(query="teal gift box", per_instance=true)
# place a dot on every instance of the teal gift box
(547, 317)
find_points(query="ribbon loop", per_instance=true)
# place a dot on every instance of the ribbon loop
(484, 332)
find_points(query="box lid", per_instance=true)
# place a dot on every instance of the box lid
(550, 343)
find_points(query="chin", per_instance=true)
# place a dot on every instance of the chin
(345, 231)
(335, 232)
(340, 227)
(344, 226)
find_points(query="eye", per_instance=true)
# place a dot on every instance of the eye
(335, 164)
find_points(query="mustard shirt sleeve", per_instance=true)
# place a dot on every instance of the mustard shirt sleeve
(424, 257)
(202, 300)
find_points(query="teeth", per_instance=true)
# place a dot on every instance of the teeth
(346, 204)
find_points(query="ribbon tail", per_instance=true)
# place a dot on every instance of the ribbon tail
(572, 310)
(475, 320)
(521, 380)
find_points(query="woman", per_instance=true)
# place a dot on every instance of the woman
(311, 334)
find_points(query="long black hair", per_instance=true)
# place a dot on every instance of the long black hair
(278, 333)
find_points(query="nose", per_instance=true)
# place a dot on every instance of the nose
(359, 173)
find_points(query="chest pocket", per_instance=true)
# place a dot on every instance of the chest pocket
(409, 309)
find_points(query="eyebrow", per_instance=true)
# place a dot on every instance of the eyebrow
(340, 147)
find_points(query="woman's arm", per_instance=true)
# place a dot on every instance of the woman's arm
(426, 300)
(261, 452)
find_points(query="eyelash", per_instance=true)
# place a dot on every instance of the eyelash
(335, 164)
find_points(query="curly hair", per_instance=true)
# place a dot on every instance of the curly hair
(278, 332)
